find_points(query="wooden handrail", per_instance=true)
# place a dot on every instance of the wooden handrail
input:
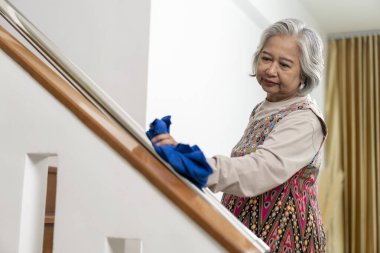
(128, 147)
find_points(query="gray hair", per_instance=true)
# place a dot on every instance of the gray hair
(309, 43)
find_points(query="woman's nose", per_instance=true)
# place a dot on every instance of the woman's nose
(272, 69)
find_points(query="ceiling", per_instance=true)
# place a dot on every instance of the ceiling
(342, 16)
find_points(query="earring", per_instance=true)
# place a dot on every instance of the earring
(301, 87)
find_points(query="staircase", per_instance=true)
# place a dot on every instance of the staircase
(113, 193)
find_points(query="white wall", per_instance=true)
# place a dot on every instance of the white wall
(107, 39)
(200, 59)
(99, 195)
(200, 53)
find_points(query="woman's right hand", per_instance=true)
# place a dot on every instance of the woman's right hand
(164, 139)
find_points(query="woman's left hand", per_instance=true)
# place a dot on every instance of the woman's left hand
(164, 139)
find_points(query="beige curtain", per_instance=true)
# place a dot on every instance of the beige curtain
(350, 183)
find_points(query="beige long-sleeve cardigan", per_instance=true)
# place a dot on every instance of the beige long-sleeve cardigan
(290, 146)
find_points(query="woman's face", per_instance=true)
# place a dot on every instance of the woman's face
(278, 68)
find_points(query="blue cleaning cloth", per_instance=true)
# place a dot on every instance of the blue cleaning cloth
(188, 161)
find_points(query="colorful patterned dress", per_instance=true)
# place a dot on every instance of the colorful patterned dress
(287, 217)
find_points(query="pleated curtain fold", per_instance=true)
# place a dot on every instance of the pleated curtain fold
(349, 185)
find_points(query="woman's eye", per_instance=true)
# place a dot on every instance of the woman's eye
(265, 58)
(284, 65)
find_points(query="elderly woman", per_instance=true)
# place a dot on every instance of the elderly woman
(269, 183)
